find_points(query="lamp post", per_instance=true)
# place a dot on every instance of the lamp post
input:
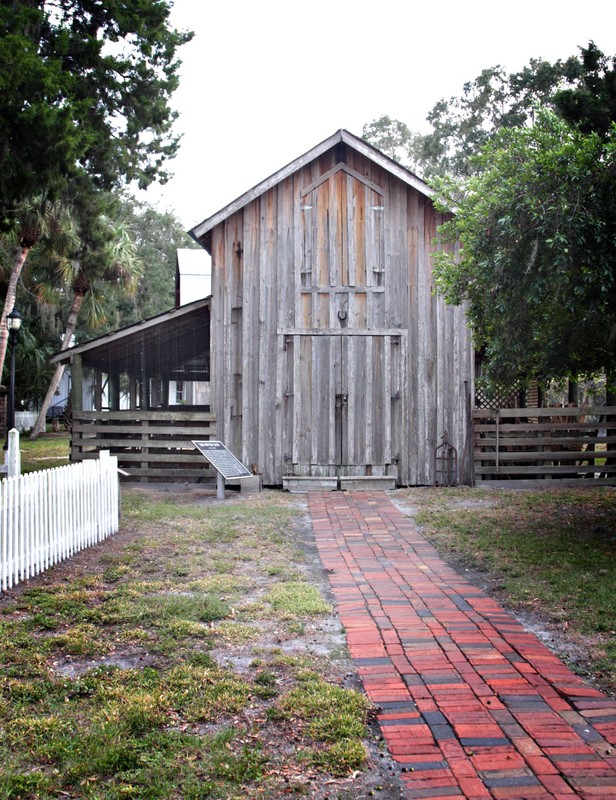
(13, 323)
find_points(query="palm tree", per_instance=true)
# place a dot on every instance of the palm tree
(38, 224)
(112, 265)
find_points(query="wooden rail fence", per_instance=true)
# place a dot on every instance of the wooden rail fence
(47, 516)
(149, 445)
(513, 446)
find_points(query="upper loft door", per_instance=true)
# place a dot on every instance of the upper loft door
(342, 270)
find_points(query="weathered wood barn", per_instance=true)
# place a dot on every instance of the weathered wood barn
(331, 356)
(325, 352)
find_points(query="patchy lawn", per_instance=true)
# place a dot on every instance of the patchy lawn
(550, 556)
(193, 655)
(49, 450)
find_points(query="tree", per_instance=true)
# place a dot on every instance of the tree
(107, 262)
(157, 236)
(84, 107)
(32, 368)
(591, 104)
(38, 224)
(85, 92)
(537, 263)
(395, 139)
(494, 100)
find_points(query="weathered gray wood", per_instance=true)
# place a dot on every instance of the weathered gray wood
(360, 371)
(333, 171)
(505, 442)
(544, 443)
(156, 428)
(524, 413)
(249, 363)
(76, 384)
(543, 427)
(502, 457)
(150, 439)
(169, 459)
(543, 469)
(163, 475)
(270, 440)
(128, 431)
(171, 446)
(145, 416)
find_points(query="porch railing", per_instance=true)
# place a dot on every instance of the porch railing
(545, 445)
(149, 445)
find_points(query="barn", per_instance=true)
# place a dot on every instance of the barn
(332, 362)
(322, 357)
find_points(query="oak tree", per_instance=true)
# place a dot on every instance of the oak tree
(536, 262)
(84, 92)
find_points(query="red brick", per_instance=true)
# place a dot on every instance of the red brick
(453, 660)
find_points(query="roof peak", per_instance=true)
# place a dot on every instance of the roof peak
(340, 136)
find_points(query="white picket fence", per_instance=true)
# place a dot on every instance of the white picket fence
(47, 516)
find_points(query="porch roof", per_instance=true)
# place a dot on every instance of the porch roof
(174, 345)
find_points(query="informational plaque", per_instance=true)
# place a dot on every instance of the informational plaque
(223, 460)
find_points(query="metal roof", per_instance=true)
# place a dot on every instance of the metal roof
(174, 344)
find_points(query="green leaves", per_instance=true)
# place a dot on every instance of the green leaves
(85, 90)
(537, 233)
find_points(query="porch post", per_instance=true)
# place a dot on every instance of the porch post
(145, 379)
(114, 391)
(76, 383)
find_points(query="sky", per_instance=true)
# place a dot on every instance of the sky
(263, 81)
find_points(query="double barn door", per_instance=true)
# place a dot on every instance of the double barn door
(346, 403)
(345, 360)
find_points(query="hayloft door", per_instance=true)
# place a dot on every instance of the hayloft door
(345, 403)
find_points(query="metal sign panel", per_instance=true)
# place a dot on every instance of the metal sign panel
(222, 460)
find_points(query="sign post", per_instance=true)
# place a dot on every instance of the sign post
(224, 462)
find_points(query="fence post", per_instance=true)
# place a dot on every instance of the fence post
(12, 458)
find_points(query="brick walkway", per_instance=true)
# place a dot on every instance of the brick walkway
(471, 705)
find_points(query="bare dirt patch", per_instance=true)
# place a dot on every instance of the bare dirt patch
(159, 559)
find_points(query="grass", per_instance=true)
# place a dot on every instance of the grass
(297, 599)
(151, 666)
(551, 553)
(49, 450)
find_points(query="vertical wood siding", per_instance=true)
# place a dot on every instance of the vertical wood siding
(329, 348)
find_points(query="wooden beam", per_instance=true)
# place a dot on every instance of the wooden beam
(76, 383)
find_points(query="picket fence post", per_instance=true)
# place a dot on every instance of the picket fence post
(12, 456)
(48, 516)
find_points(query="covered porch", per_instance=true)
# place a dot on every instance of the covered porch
(143, 392)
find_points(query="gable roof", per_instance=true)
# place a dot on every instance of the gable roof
(341, 136)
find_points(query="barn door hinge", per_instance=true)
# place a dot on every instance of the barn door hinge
(287, 341)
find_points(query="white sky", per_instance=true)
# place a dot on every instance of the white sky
(263, 81)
